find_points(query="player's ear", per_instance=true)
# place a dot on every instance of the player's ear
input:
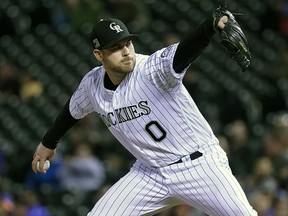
(98, 55)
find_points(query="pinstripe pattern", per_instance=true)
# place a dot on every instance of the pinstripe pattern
(205, 183)
(153, 82)
(153, 116)
(210, 185)
(126, 197)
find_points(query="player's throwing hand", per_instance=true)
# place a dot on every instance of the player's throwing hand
(40, 156)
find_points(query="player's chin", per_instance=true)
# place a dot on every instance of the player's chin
(128, 67)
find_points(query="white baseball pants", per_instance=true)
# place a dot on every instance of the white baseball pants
(206, 183)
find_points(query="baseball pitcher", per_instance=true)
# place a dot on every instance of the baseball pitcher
(144, 104)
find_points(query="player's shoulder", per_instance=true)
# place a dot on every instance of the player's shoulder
(166, 54)
(163, 53)
(172, 48)
(141, 57)
(93, 74)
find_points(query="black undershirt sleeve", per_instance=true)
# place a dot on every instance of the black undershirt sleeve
(61, 125)
(193, 44)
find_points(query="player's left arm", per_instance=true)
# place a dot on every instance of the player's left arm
(195, 42)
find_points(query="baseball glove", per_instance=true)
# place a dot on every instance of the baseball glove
(232, 38)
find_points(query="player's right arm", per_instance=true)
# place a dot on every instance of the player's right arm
(77, 107)
(61, 125)
(46, 149)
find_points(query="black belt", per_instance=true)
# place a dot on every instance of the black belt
(193, 156)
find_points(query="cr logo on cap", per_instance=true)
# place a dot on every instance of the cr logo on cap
(115, 27)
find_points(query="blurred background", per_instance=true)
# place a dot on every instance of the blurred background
(44, 52)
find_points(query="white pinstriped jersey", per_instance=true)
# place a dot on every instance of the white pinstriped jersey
(151, 113)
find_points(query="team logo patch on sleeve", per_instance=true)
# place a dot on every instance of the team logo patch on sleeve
(166, 51)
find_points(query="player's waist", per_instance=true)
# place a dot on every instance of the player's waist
(144, 165)
(195, 155)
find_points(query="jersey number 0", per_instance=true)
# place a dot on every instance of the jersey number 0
(156, 131)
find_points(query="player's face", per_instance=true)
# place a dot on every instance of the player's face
(118, 60)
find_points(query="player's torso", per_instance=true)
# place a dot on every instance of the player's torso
(154, 124)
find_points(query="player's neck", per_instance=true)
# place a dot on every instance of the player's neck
(108, 84)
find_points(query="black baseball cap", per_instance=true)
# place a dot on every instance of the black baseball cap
(109, 31)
